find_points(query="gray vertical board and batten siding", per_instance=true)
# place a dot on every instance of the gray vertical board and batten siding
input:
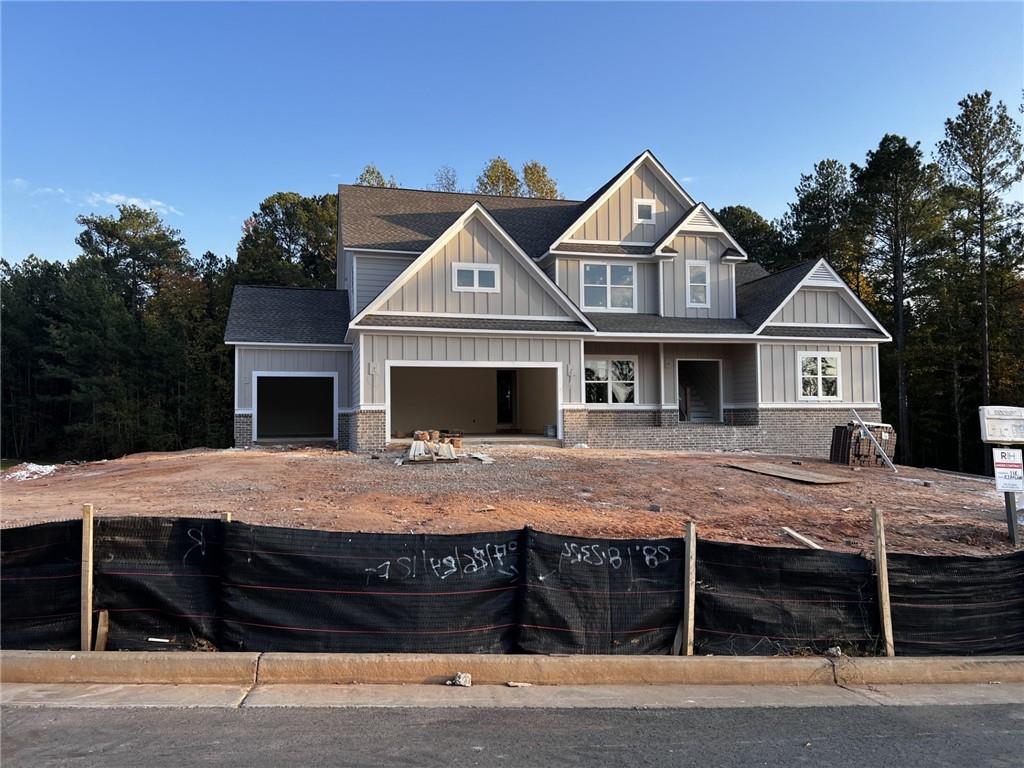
(430, 289)
(720, 278)
(379, 349)
(567, 274)
(739, 370)
(858, 376)
(819, 306)
(613, 220)
(291, 360)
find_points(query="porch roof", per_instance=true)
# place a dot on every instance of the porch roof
(822, 332)
(628, 322)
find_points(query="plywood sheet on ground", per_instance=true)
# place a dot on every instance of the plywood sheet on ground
(788, 473)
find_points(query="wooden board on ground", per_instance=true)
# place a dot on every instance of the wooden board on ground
(799, 475)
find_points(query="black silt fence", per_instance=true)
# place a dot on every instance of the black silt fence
(198, 583)
(288, 590)
(40, 598)
(957, 605)
(773, 600)
(159, 580)
(616, 596)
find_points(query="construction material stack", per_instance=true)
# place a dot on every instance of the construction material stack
(852, 446)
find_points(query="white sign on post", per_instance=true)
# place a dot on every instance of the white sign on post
(1009, 469)
(1001, 424)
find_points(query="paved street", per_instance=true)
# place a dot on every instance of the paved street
(435, 727)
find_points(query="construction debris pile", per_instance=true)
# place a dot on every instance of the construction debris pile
(852, 445)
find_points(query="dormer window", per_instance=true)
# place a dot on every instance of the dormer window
(643, 211)
(476, 278)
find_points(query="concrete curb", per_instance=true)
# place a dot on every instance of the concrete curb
(935, 669)
(128, 667)
(382, 668)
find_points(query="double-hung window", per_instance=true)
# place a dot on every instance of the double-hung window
(609, 287)
(480, 278)
(819, 375)
(610, 381)
(697, 284)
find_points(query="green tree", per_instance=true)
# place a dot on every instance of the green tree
(499, 178)
(290, 240)
(446, 180)
(818, 223)
(761, 239)
(982, 152)
(135, 248)
(371, 176)
(538, 183)
(898, 204)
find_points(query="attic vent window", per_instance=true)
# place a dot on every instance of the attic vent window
(476, 278)
(643, 211)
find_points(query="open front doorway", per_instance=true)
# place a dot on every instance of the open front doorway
(507, 401)
(700, 390)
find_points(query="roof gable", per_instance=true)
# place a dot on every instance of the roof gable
(477, 213)
(647, 178)
(701, 219)
(758, 301)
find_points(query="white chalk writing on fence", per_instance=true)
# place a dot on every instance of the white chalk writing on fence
(499, 558)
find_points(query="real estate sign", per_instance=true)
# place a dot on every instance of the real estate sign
(1009, 468)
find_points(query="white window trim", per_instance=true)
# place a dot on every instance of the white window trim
(803, 355)
(608, 286)
(608, 403)
(637, 202)
(476, 269)
(690, 264)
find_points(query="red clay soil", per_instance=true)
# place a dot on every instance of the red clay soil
(579, 492)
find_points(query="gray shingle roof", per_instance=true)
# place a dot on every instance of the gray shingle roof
(273, 315)
(411, 219)
(567, 246)
(626, 322)
(757, 300)
(749, 270)
(511, 323)
(818, 332)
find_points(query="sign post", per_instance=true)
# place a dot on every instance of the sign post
(1009, 467)
(1004, 426)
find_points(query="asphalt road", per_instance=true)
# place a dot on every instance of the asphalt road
(964, 736)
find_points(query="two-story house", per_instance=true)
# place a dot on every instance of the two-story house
(630, 319)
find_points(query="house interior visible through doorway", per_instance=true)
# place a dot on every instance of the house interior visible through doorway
(700, 390)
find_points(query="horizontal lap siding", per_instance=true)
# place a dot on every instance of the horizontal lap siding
(720, 278)
(818, 307)
(374, 274)
(779, 380)
(379, 349)
(298, 360)
(430, 289)
(613, 221)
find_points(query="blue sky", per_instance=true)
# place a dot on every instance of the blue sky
(202, 110)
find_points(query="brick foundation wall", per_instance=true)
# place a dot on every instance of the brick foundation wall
(243, 430)
(367, 431)
(344, 435)
(798, 432)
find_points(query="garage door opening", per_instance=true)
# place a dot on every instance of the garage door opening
(474, 401)
(294, 408)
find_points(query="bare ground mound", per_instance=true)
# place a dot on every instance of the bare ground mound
(576, 492)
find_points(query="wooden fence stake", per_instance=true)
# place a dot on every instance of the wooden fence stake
(102, 630)
(882, 566)
(682, 645)
(86, 577)
(225, 516)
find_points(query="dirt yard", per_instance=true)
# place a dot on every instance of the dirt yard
(583, 492)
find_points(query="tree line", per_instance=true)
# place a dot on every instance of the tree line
(120, 349)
